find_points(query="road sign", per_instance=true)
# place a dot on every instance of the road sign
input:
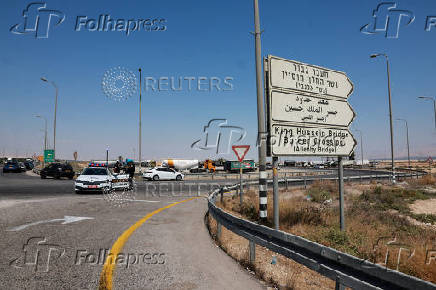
(288, 140)
(298, 76)
(48, 155)
(293, 107)
(240, 151)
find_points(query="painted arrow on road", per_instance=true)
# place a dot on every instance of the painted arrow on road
(66, 220)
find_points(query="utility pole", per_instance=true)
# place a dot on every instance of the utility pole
(263, 200)
(390, 112)
(407, 139)
(140, 119)
(361, 145)
(55, 114)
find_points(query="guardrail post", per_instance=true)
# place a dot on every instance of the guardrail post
(252, 252)
(218, 230)
(305, 183)
(222, 194)
(339, 286)
(286, 182)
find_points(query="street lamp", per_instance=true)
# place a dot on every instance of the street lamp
(45, 131)
(55, 113)
(434, 104)
(407, 136)
(390, 112)
(361, 145)
(140, 120)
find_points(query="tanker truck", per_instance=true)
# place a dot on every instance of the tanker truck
(180, 164)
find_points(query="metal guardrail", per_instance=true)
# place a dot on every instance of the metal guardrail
(346, 270)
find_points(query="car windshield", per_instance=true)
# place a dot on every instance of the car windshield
(95, 171)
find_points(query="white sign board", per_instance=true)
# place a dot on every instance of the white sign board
(289, 140)
(292, 75)
(293, 107)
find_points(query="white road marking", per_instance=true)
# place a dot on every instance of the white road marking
(66, 220)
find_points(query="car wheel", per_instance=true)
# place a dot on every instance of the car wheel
(178, 177)
(156, 177)
(43, 176)
(70, 177)
(57, 176)
(78, 192)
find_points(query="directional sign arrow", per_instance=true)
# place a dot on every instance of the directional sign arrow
(293, 75)
(303, 141)
(66, 220)
(292, 107)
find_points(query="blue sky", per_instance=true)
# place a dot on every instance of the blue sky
(210, 39)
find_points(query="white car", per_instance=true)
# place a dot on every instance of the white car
(162, 173)
(101, 179)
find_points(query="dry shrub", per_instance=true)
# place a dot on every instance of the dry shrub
(322, 190)
(426, 180)
(298, 211)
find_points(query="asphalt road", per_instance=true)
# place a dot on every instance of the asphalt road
(170, 250)
(52, 238)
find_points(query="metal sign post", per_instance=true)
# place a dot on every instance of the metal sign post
(240, 151)
(307, 115)
(341, 192)
(275, 162)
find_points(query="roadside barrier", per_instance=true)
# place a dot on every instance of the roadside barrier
(346, 270)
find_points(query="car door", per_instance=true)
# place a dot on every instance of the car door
(167, 173)
(162, 173)
(171, 174)
(51, 169)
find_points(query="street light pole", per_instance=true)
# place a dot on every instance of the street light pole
(434, 106)
(140, 119)
(390, 113)
(361, 145)
(407, 136)
(263, 201)
(55, 114)
(45, 131)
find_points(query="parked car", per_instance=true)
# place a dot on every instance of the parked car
(12, 166)
(29, 165)
(22, 166)
(57, 170)
(163, 173)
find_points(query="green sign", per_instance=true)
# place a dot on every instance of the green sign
(48, 155)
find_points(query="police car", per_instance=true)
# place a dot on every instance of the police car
(97, 177)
